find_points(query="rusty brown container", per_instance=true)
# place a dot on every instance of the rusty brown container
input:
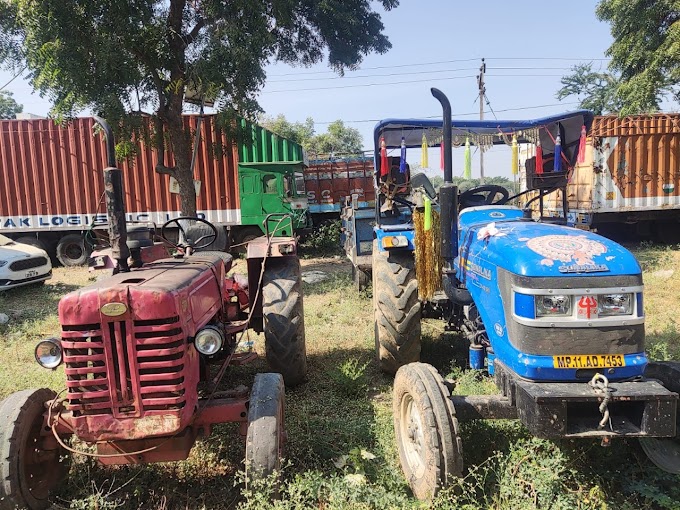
(51, 177)
(330, 182)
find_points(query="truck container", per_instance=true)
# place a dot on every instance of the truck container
(51, 186)
(630, 179)
(330, 182)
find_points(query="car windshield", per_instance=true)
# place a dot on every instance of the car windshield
(5, 240)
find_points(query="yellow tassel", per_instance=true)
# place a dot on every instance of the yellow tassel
(515, 156)
(423, 155)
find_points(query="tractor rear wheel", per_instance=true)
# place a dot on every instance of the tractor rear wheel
(425, 424)
(396, 309)
(664, 452)
(28, 473)
(284, 322)
(265, 436)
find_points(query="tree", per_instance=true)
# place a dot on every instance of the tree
(595, 91)
(8, 106)
(122, 56)
(297, 132)
(338, 140)
(646, 50)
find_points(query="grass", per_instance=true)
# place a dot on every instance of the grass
(340, 452)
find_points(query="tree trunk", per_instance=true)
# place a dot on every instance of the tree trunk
(181, 148)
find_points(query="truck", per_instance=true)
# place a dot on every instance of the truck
(629, 180)
(553, 314)
(51, 195)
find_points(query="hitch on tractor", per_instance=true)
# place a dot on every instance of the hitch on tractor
(139, 349)
(556, 312)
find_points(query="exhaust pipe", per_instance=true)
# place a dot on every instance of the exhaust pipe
(448, 193)
(115, 205)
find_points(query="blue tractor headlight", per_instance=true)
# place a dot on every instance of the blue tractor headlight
(550, 306)
(395, 242)
(614, 304)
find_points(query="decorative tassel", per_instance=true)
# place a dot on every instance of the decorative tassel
(384, 165)
(557, 166)
(441, 156)
(515, 156)
(467, 169)
(428, 213)
(582, 146)
(402, 160)
(424, 163)
(539, 158)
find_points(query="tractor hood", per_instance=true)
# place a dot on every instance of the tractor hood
(499, 236)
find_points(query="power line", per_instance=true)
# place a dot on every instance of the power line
(467, 114)
(14, 77)
(420, 64)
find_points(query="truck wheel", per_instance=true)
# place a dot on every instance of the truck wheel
(243, 236)
(360, 278)
(396, 309)
(265, 435)
(664, 452)
(28, 473)
(284, 322)
(71, 250)
(425, 424)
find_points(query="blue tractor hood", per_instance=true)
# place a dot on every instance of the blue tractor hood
(499, 236)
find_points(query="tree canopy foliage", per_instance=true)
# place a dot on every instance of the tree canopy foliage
(119, 57)
(8, 106)
(595, 90)
(338, 139)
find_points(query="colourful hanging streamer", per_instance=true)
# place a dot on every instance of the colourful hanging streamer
(402, 159)
(441, 156)
(515, 155)
(424, 163)
(467, 168)
(582, 146)
(539, 158)
(384, 165)
(557, 165)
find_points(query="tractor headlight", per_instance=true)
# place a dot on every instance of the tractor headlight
(209, 340)
(553, 305)
(395, 242)
(614, 304)
(48, 353)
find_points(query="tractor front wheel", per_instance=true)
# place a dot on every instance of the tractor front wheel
(265, 436)
(32, 465)
(664, 453)
(425, 424)
(284, 322)
(396, 309)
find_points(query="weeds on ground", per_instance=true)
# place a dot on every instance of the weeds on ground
(324, 241)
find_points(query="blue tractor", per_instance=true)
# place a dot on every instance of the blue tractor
(556, 311)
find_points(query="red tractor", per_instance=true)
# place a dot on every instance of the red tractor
(144, 352)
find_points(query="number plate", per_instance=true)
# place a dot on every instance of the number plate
(31, 274)
(590, 361)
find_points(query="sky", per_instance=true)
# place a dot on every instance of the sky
(528, 46)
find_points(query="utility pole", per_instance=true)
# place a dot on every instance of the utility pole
(482, 95)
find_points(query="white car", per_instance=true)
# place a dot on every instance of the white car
(22, 264)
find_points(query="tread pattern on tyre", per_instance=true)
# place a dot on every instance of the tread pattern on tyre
(444, 449)
(61, 246)
(397, 309)
(283, 316)
(14, 411)
(265, 419)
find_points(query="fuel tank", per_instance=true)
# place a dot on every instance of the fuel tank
(557, 303)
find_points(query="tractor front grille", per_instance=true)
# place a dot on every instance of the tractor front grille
(125, 367)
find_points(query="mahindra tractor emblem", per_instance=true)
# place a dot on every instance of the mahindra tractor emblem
(113, 309)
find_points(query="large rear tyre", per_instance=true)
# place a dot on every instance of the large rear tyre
(426, 428)
(396, 309)
(71, 250)
(664, 452)
(284, 322)
(29, 471)
(265, 436)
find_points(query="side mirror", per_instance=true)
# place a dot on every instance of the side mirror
(423, 181)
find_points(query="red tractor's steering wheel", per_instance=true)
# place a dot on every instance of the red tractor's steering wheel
(194, 245)
(483, 195)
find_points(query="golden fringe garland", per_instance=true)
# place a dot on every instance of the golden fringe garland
(428, 255)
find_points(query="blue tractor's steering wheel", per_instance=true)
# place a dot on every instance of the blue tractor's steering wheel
(483, 195)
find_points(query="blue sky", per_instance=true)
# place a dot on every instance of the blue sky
(528, 46)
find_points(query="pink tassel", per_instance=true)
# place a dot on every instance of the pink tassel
(539, 159)
(384, 165)
(441, 156)
(582, 146)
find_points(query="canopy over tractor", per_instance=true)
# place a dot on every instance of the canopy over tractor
(555, 314)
